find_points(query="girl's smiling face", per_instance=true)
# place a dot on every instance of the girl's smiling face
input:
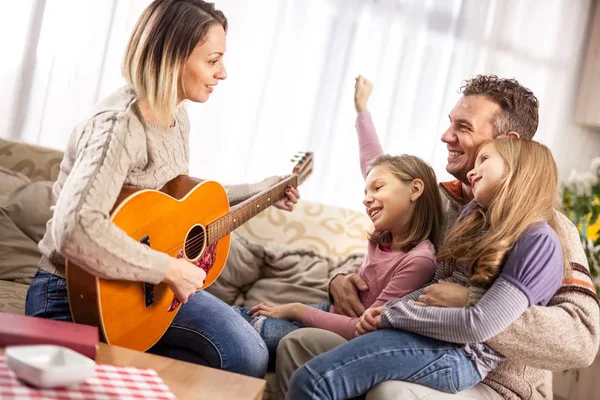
(388, 200)
(487, 175)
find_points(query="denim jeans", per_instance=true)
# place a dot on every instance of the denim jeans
(272, 330)
(205, 331)
(353, 368)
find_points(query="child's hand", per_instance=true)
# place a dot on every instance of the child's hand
(362, 91)
(290, 312)
(370, 320)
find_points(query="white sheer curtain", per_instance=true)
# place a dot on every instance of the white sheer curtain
(291, 66)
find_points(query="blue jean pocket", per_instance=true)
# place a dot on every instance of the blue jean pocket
(47, 297)
(440, 374)
(57, 288)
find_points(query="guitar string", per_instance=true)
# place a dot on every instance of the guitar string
(200, 239)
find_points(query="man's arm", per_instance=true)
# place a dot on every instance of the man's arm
(565, 334)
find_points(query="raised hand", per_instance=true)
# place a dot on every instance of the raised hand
(362, 91)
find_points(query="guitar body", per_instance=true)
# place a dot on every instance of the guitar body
(133, 314)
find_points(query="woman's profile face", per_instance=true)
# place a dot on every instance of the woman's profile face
(204, 67)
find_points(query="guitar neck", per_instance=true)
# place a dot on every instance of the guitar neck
(248, 209)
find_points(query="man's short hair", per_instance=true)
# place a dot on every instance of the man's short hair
(519, 106)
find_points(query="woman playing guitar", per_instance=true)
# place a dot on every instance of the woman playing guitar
(138, 136)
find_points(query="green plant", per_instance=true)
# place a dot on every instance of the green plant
(581, 203)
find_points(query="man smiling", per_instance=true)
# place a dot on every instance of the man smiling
(488, 109)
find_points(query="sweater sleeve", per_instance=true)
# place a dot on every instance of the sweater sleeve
(498, 308)
(109, 147)
(238, 193)
(235, 193)
(368, 142)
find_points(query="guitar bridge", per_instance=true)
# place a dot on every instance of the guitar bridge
(148, 287)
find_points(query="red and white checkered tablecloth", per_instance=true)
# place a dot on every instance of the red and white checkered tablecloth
(110, 382)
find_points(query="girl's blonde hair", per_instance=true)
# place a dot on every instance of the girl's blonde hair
(428, 218)
(528, 194)
(162, 40)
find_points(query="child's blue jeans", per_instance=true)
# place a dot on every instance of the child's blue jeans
(353, 368)
(272, 330)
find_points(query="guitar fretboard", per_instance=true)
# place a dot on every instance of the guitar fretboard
(244, 211)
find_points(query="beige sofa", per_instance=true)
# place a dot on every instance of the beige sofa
(327, 235)
(319, 239)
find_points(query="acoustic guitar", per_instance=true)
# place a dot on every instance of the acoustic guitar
(186, 218)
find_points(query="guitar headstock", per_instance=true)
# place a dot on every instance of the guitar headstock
(304, 165)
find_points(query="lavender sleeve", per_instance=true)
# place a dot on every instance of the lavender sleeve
(536, 264)
(368, 142)
(531, 274)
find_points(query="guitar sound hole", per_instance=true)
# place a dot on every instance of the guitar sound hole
(195, 242)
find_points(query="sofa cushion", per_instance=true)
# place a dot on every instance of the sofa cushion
(328, 230)
(11, 181)
(29, 208)
(12, 297)
(275, 272)
(23, 217)
(19, 254)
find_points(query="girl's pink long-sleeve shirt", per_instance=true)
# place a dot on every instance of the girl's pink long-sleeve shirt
(389, 275)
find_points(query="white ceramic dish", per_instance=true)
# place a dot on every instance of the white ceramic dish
(47, 366)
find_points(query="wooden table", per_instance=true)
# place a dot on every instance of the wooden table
(186, 380)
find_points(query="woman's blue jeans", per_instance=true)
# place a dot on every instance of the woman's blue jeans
(205, 331)
(353, 368)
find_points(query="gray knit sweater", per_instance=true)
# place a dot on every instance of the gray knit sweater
(115, 146)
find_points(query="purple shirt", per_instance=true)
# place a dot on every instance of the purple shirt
(535, 264)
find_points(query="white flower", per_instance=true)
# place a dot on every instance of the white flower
(593, 249)
(595, 165)
(581, 183)
(573, 177)
(588, 180)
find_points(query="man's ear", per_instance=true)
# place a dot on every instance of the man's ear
(511, 134)
(416, 189)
